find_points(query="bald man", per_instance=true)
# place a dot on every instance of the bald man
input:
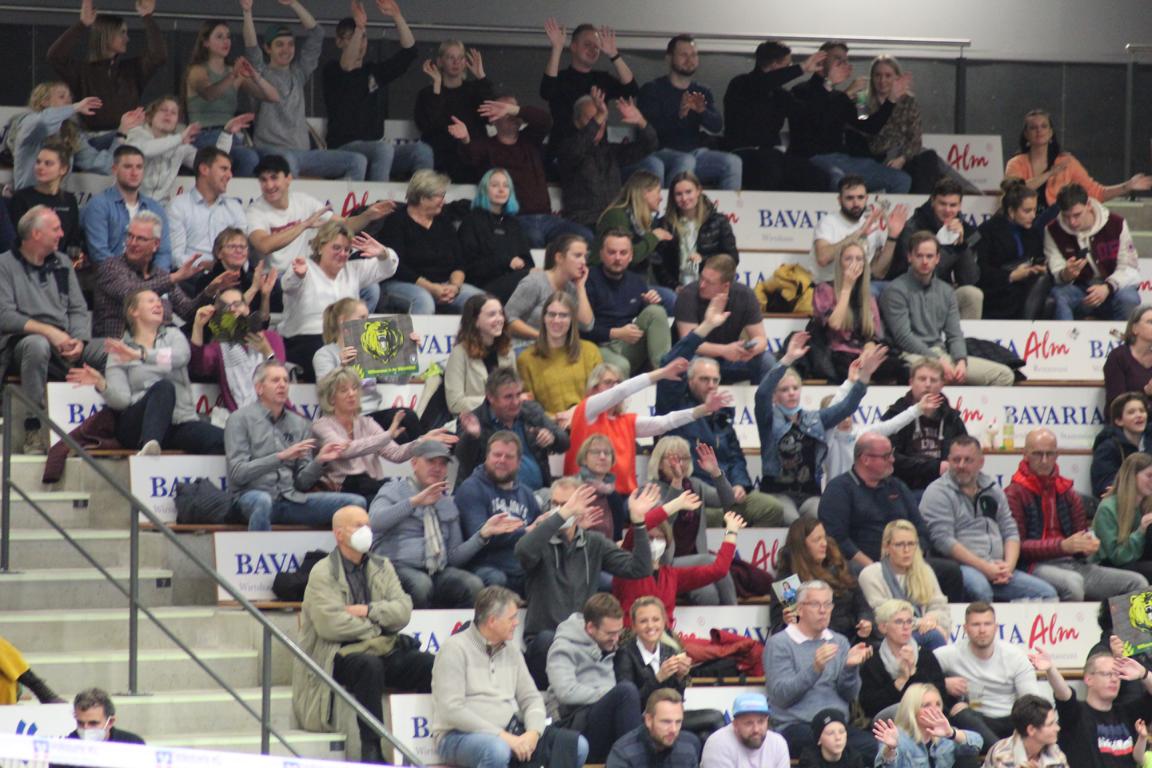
(1056, 544)
(354, 609)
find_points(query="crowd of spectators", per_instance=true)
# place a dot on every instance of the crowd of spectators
(885, 527)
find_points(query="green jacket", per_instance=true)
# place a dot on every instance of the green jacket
(1111, 549)
(325, 627)
(643, 244)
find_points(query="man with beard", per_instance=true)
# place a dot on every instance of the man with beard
(493, 490)
(850, 223)
(631, 326)
(678, 108)
(746, 742)
(1097, 731)
(987, 673)
(105, 218)
(660, 742)
(957, 238)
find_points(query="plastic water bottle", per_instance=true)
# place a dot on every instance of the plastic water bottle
(1009, 437)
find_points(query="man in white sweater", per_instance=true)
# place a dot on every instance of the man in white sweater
(486, 709)
(987, 674)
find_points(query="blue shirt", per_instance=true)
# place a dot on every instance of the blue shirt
(195, 224)
(105, 220)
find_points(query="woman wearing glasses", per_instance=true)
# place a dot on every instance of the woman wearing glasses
(899, 663)
(902, 574)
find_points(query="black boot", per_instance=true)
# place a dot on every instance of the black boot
(39, 688)
(370, 751)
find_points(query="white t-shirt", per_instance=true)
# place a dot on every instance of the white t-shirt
(832, 229)
(306, 297)
(263, 217)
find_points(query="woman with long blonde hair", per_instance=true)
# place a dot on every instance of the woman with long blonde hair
(921, 734)
(902, 574)
(635, 211)
(1122, 519)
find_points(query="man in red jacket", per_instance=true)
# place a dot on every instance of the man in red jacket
(1055, 542)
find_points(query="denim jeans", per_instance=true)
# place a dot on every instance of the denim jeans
(384, 157)
(261, 512)
(1069, 305)
(447, 588)
(325, 163)
(150, 418)
(751, 370)
(542, 228)
(717, 170)
(411, 299)
(487, 750)
(876, 175)
(1022, 586)
(244, 159)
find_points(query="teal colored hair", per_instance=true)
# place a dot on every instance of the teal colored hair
(481, 201)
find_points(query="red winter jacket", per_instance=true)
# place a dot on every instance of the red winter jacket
(1046, 510)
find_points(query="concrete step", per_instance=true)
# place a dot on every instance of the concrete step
(71, 509)
(159, 671)
(33, 548)
(172, 715)
(84, 588)
(1143, 241)
(27, 471)
(320, 746)
(1138, 214)
(76, 631)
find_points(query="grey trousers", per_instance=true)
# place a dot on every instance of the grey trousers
(1077, 581)
(38, 361)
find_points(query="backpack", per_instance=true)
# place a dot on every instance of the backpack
(289, 587)
(788, 290)
(202, 503)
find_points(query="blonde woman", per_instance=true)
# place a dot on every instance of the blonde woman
(900, 662)
(902, 574)
(635, 211)
(327, 276)
(363, 465)
(921, 734)
(169, 146)
(108, 74)
(1122, 519)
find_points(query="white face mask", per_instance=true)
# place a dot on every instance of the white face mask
(93, 734)
(361, 539)
(658, 548)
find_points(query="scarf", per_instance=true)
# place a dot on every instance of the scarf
(435, 558)
(892, 662)
(1048, 489)
(892, 580)
(603, 487)
(239, 365)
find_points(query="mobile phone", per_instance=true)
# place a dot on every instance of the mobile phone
(750, 343)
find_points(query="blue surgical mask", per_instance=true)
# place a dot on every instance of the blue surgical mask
(789, 412)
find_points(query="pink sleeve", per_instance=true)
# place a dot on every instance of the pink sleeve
(823, 300)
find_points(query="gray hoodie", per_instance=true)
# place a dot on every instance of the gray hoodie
(579, 673)
(982, 523)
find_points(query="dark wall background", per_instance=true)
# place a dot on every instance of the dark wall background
(1086, 100)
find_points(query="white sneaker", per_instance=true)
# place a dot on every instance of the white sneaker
(151, 448)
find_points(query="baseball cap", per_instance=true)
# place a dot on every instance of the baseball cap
(431, 449)
(273, 31)
(751, 704)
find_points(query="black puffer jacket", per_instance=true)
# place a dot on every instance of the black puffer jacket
(715, 236)
(1109, 450)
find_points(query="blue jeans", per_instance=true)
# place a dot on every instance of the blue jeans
(541, 228)
(244, 159)
(487, 750)
(1023, 586)
(370, 295)
(411, 299)
(1068, 300)
(261, 512)
(325, 163)
(876, 175)
(717, 170)
(384, 157)
(667, 299)
(753, 370)
(931, 639)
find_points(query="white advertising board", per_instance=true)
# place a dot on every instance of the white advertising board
(48, 721)
(251, 560)
(1066, 630)
(979, 158)
(153, 479)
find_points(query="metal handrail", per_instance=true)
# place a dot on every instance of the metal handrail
(138, 508)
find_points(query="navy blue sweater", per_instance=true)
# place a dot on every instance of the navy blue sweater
(615, 303)
(854, 515)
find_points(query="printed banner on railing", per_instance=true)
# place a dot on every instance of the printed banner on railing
(745, 620)
(1066, 630)
(410, 720)
(758, 546)
(44, 720)
(251, 560)
(153, 479)
(977, 157)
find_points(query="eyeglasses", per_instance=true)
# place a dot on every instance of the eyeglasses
(556, 315)
(599, 451)
(232, 306)
(1106, 675)
(825, 606)
(131, 238)
(903, 544)
(902, 622)
(1044, 454)
(236, 247)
